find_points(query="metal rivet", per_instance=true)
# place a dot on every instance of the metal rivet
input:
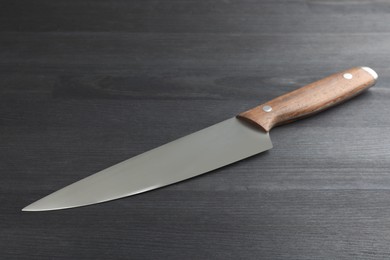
(267, 109)
(348, 76)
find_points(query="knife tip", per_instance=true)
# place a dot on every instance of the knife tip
(35, 207)
(28, 208)
(38, 206)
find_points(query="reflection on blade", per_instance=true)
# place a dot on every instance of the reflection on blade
(197, 153)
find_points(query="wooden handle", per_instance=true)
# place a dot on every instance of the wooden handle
(311, 98)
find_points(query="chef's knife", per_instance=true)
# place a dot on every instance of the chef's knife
(211, 148)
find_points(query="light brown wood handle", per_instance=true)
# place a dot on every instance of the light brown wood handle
(311, 98)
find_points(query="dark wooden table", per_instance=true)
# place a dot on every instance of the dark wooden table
(86, 84)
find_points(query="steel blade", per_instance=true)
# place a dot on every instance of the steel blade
(208, 149)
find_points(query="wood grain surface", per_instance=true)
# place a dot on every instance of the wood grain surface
(312, 98)
(86, 84)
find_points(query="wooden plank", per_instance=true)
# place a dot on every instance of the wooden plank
(82, 82)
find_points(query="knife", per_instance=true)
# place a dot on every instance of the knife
(221, 144)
